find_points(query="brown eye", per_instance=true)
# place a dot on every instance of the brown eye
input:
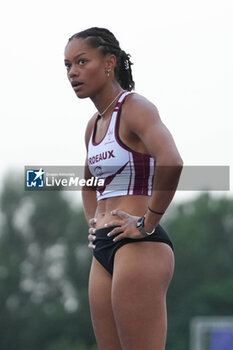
(82, 62)
(68, 66)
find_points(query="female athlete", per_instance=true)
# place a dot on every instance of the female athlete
(130, 148)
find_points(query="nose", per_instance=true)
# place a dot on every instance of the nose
(73, 72)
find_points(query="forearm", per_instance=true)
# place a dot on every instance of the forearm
(89, 203)
(166, 180)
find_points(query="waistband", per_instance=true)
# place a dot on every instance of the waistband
(103, 231)
(160, 235)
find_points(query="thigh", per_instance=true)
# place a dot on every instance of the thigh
(142, 273)
(100, 285)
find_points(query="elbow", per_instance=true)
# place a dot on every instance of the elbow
(173, 164)
(178, 164)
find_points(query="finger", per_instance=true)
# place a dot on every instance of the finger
(119, 237)
(92, 230)
(121, 213)
(91, 238)
(91, 246)
(92, 222)
(115, 231)
(113, 223)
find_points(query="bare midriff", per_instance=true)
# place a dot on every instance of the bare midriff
(134, 205)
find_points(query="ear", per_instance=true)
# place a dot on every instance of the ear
(110, 62)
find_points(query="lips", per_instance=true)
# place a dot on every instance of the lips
(76, 83)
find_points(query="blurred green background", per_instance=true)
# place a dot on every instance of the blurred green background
(45, 261)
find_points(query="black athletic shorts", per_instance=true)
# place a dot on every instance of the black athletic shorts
(105, 247)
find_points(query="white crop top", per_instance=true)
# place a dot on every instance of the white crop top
(125, 172)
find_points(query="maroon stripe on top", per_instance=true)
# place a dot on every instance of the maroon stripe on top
(130, 179)
(142, 172)
(98, 117)
(127, 148)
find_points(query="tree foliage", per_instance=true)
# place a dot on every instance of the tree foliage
(44, 265)
(44, 268)
(202, 231)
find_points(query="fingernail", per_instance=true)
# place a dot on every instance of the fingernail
(105, 225)
(108, 235)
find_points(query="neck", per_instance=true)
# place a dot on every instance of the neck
(105, 97)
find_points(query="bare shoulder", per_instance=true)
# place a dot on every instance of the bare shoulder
(141, 118)
(89, 128)
(138, 104)
(139, 112)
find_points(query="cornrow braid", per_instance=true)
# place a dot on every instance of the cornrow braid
(103, 38)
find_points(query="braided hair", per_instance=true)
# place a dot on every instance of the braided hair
(103, 38)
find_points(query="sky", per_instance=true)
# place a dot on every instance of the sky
(182, 53)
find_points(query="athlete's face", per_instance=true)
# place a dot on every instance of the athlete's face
(86, 68)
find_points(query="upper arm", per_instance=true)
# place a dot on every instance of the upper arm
(143, 120)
